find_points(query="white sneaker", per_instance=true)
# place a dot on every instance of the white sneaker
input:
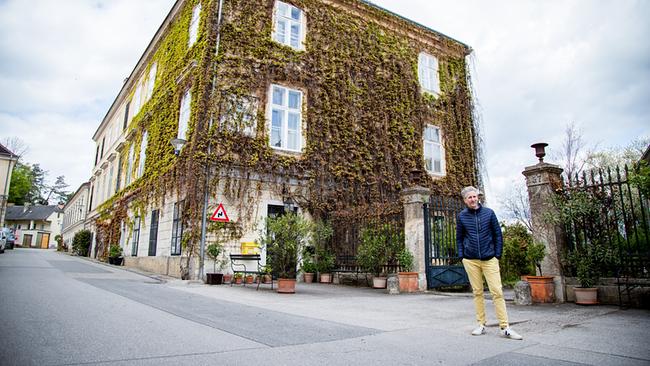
(509, 333)
(480, 330)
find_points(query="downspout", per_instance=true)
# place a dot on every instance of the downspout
(204, 212)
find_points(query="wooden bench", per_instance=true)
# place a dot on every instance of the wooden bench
(347, 264)
(248, 264)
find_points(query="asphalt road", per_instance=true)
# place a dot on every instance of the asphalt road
(62, 310)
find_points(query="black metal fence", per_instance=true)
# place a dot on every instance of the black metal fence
(604, 209)
(348, 226)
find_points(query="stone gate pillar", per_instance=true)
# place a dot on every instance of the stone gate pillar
(413, 198)
(542, 180)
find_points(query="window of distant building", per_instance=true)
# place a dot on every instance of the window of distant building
(434, 154)
(289, 25)
(285, 107)
(194, 25)
(428, 73)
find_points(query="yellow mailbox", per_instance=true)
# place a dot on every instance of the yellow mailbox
(249, 247)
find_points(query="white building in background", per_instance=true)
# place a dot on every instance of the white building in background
(75, 212)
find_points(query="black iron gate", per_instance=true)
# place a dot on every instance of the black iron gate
(443, 266)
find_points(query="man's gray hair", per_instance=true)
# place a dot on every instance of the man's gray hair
(467, 190)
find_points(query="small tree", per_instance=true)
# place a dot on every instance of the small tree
(81, 242)
(213, 251)
(284, 237)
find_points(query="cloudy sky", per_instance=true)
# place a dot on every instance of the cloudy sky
(536, 66)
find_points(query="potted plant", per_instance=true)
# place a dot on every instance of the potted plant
(308, 269)
(266, 275)
(238, 278)
(588, 263)
(115, 255)
(372, 255)
(542, 288)
(213, 251)
(408, 280)
(325, 260)
(283, 238)
(325, 265)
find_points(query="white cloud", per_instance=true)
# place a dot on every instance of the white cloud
(538, 65)
(61, 66)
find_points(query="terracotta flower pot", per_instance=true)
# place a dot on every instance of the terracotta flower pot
(309, 277)
(542, 288)
(227, 278)
(379, 282)
(286, 285)
(586, 295)
(326, 277)
(238, 280)
(249, 279)
(408, 281)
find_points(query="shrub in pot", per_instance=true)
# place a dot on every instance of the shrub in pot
(373, 253)
(115, 255)
(308, 269)
(325, 265)
(324, 259)
(213, 251)
(284, 238)
(542, 288)
(408, 280)
(589, 263)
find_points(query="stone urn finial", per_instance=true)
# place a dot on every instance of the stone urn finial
(539, 150)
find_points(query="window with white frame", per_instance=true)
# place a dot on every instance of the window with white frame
(135, 236)
(434, 154)
(289, 27)
(194, 25)
(184, 115)
(151, 80)
(428, 73)
(109, 180)
(177, 228)
(136, 102)
(285, 106)
(129, 165)
(143, 153)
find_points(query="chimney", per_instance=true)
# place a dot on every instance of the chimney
(26, 207)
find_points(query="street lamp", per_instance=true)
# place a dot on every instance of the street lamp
(177, 143)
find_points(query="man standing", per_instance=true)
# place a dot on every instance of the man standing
(480, 244)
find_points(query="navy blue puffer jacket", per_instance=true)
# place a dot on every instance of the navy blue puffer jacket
(478, 234)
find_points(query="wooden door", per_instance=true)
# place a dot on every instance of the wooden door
(45, 241)
(27, 240)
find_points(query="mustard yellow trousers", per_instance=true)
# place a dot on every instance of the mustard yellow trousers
(476, 269)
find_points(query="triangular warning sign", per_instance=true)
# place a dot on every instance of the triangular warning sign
(220, 214)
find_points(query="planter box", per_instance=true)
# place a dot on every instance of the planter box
(214, 278)
(117, 261)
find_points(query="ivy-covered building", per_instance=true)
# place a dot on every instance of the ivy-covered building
(326, 105)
